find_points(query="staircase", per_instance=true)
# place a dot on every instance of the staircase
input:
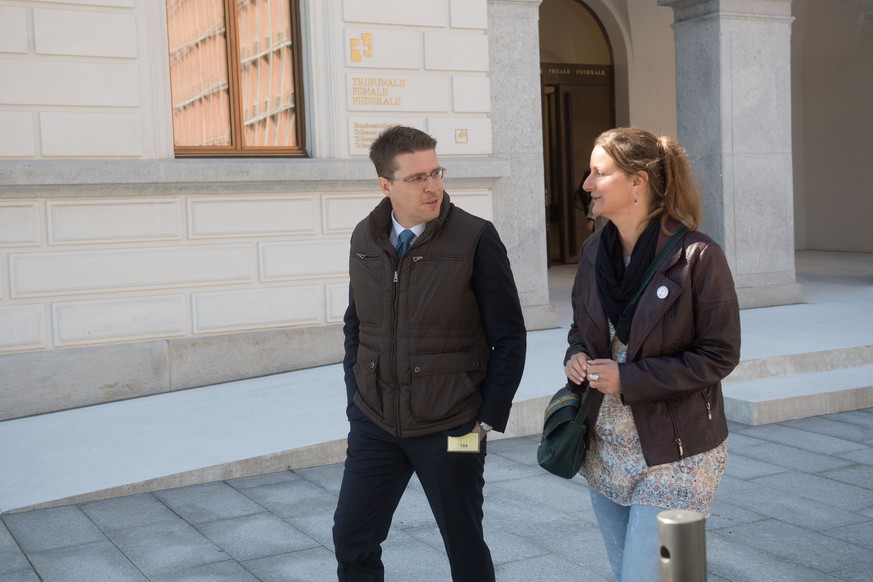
(812, 358)
(800, 385)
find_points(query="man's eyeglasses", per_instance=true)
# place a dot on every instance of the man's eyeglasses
(421, 179)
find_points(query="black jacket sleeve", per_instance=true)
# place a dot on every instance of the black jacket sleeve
(500, 307)
(350, 344)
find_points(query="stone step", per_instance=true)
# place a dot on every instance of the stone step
(801, 363)
(765, 390)
(791, 386)
(776, 398)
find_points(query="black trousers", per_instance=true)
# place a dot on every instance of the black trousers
(377, 469)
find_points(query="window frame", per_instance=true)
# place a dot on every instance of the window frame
(237, 147)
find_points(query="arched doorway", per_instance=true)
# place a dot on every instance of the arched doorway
(578, 96)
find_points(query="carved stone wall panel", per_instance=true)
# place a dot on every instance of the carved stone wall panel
(119, 319)
(253, 309)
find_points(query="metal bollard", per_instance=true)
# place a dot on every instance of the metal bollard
(682, 539)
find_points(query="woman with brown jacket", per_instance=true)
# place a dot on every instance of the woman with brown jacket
(658, 429)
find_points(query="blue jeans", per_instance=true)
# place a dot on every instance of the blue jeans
(630, 534)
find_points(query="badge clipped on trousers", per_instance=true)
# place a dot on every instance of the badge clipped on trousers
(469, 443)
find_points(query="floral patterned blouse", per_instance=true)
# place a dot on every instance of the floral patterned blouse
(615, 465)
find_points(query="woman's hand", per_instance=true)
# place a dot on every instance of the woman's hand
(576, 368)
(603, 376)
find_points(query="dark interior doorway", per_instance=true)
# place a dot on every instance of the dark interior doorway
(578, 104)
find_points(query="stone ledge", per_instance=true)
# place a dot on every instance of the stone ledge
(217, 175)
(309, 456)
(55, 380)
(538, 317)
(770, 400)
(769, 295)
(805, 363)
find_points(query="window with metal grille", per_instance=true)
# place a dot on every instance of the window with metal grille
(235, 77)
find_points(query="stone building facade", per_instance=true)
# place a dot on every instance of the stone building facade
(128, 269)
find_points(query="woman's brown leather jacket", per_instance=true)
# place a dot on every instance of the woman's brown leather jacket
(684, 339)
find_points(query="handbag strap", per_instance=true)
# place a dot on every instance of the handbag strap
(657, 262)
(585, 404)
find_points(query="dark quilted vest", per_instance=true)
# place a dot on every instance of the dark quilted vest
(423, 353)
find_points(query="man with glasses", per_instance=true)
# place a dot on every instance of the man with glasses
(434, 352)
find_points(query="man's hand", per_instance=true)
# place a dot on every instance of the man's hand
(482, 430)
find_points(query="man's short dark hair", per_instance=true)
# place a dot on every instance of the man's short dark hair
(394, 141)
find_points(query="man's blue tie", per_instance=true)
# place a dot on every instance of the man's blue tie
(403, 240)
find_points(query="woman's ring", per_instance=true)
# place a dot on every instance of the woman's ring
(594, 377)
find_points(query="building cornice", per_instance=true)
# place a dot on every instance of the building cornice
(536, 2)
(28, 178)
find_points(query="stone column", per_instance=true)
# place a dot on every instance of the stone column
(516, 121)
(733, 94)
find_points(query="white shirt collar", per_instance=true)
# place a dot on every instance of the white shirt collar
(396, 229)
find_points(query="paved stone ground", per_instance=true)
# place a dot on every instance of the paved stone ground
(796, 504)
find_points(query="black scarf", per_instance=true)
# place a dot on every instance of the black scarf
(616, 283)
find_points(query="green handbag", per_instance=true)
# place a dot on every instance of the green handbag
(562, 448)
